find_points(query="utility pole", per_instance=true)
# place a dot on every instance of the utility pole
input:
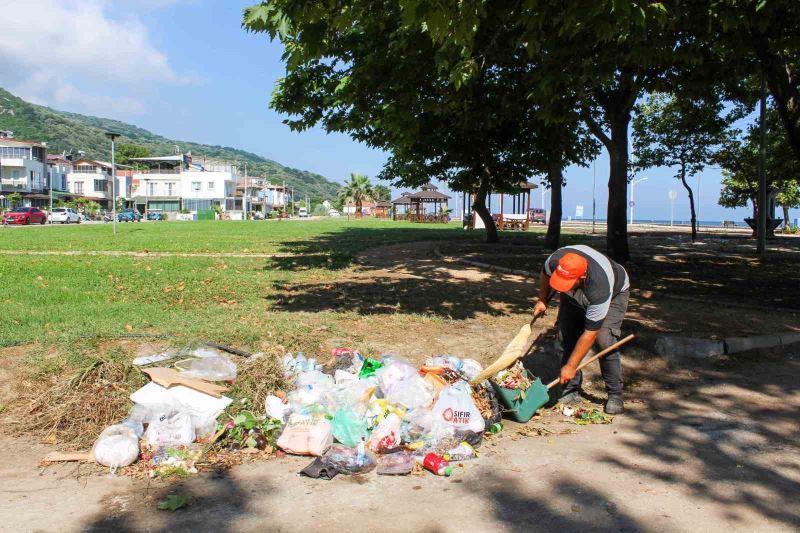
(113, 136)
(594, 187)
(633, 184)
(244, 201)
(761, 247)
(672, 195)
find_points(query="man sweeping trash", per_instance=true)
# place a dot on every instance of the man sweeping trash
(594, 298)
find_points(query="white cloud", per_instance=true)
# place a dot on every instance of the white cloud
(51, 48)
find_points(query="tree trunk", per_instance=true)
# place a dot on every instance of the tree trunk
(479, 206)
(691, 204)
(617, 235)
(785, 218)
(553, 238)
(617, 111)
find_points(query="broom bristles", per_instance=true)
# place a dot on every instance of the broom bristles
(515, 349)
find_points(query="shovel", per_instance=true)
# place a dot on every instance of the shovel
(538, 394)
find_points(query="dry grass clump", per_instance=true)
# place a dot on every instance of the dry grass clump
(258, 377)
(72, 408)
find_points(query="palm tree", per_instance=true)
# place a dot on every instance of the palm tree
(358, 190)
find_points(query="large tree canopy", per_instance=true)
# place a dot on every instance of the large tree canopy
(363, 69)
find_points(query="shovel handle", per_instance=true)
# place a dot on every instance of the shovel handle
(595, 358)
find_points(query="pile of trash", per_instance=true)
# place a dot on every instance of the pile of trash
(354, 414)
(357, 414)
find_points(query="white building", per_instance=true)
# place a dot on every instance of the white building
(91, 179)
(23, 169)
(173, 183)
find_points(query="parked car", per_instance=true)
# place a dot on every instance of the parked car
(155, 215)
(334, 213)
(537, 214)
(302, 212)
(129, 215)
(25, 215)
(65, 215)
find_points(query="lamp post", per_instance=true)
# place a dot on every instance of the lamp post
(146, 196)
(594, 183)
(113, 136)
(672, 195)
(633, 184)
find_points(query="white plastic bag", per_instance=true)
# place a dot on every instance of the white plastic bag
(387, 435)
(456, 408)
(170, 429)
(306, 435)
(275, 408)
(116, 446)
(411, 393)
(392, 373)
(214, 368)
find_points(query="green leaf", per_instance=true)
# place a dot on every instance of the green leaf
(173, 502)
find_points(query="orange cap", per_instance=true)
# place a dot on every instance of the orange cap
(570, 268)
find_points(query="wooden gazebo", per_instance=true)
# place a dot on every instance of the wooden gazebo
(382, 209)
(414, 205)
(520, 216)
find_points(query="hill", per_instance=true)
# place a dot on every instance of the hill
(70, 131)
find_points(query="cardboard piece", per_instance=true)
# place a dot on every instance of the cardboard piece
(167, 377)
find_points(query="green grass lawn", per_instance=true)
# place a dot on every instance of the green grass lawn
(293, 236)
(57, 300)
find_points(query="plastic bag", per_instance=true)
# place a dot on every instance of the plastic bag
(396, 464)
(462, 452)
(313, 393)
(116, 446)
(387, 435)
(305, 435)
(411, 393)
(170, 429)
(214, 368)
(350, 460)
(349, 428)
(456, 408)
(379, 408)
(392, 373)
(275, 408)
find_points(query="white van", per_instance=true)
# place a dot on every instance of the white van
(302, 212)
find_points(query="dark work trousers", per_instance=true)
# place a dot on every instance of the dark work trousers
(571, 320)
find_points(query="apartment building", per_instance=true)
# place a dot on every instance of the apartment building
(23, 169)
(91, 179)
(258, 194)
(172, 183)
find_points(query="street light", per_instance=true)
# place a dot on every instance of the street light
(633, 184)
(672, 195)
(112, 136)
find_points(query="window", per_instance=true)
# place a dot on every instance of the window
(171, 188)
(78, 186)
(151, 189)
(85, 169)
(210, 185)
(195, 185)
(99, 185)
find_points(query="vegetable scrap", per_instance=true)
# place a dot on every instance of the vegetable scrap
(583, 416)
(514, 377)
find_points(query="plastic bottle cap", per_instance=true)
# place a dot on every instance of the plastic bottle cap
(448, 470)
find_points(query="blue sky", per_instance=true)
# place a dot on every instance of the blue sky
(185, 69)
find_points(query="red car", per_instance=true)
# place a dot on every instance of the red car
(25, 215)
(537, 214)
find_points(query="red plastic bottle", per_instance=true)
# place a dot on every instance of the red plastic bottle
(437, 465)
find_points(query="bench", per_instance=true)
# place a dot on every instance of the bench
(728, 224)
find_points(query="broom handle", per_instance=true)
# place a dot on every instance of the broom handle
(594, 358)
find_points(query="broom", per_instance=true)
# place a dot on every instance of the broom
(519, 346)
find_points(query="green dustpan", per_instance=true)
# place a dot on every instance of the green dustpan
(522, 406)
